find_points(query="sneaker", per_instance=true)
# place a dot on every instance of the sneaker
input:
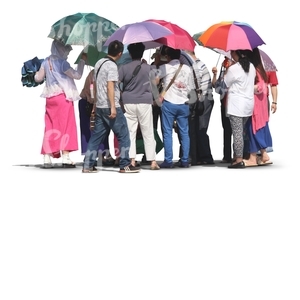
(66, 162)
(129, 169)
(184, 164)
(181, 164)
(47, 162)
(166, 165)
(91, 170)
(178, 163)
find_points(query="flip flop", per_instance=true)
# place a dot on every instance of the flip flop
(263, 163)
(248, 165)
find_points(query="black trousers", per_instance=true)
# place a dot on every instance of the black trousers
(200, 151)
(227, 134)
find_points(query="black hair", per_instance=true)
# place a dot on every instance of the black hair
(163, 50)
(173, 53)
(255, 59)
(115, 47)
(136, 50)
(244, 59)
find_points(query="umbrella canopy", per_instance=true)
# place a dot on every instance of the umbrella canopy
(179, 39)
(231, 36)
(268, 63)
(139, 32)
(93, 55)
(83, 29)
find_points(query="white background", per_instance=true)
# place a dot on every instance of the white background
(199, 233)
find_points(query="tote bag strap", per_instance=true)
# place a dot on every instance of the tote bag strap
(173, 79)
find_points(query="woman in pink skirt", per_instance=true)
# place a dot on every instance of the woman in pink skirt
(60, 136)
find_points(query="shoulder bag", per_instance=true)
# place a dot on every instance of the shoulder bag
(197, 107)
(91, 106)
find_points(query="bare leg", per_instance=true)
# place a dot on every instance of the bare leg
(264, 155)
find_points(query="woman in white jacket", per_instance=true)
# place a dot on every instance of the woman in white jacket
(60, 135)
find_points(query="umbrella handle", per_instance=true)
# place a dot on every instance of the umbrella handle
(218, 60)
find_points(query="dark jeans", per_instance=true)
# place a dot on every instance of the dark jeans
(85, 132)
(103, 125)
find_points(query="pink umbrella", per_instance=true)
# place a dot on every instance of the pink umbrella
(179, 39)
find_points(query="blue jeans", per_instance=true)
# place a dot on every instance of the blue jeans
(180, 113)
(103, 125)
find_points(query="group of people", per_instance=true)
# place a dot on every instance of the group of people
(128, 99)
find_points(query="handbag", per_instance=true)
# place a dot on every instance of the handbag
(89, 108)
(197, 107)
(92, 120)
(162, 94)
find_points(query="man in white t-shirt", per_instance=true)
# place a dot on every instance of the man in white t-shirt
(174, 106)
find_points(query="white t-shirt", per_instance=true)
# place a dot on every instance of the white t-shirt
(240, 90)
(179, 90)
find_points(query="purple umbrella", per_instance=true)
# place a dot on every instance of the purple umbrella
(139, 32)
(267, 61)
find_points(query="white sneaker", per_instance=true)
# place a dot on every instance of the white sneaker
(47, 161)
(66, 161)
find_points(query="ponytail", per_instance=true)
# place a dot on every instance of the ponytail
(243, 60)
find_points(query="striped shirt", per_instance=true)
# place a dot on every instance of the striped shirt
(202, 74)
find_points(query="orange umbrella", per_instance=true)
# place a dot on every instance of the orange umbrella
(231, 36)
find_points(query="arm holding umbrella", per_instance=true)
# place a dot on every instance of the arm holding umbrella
(77, 74)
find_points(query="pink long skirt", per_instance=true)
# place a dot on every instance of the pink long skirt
(60, 126)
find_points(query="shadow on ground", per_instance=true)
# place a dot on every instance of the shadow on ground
(143, 166)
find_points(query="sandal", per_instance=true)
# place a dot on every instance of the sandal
(154, 167)
(248, 164)
(260, 162)
(92, 170)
